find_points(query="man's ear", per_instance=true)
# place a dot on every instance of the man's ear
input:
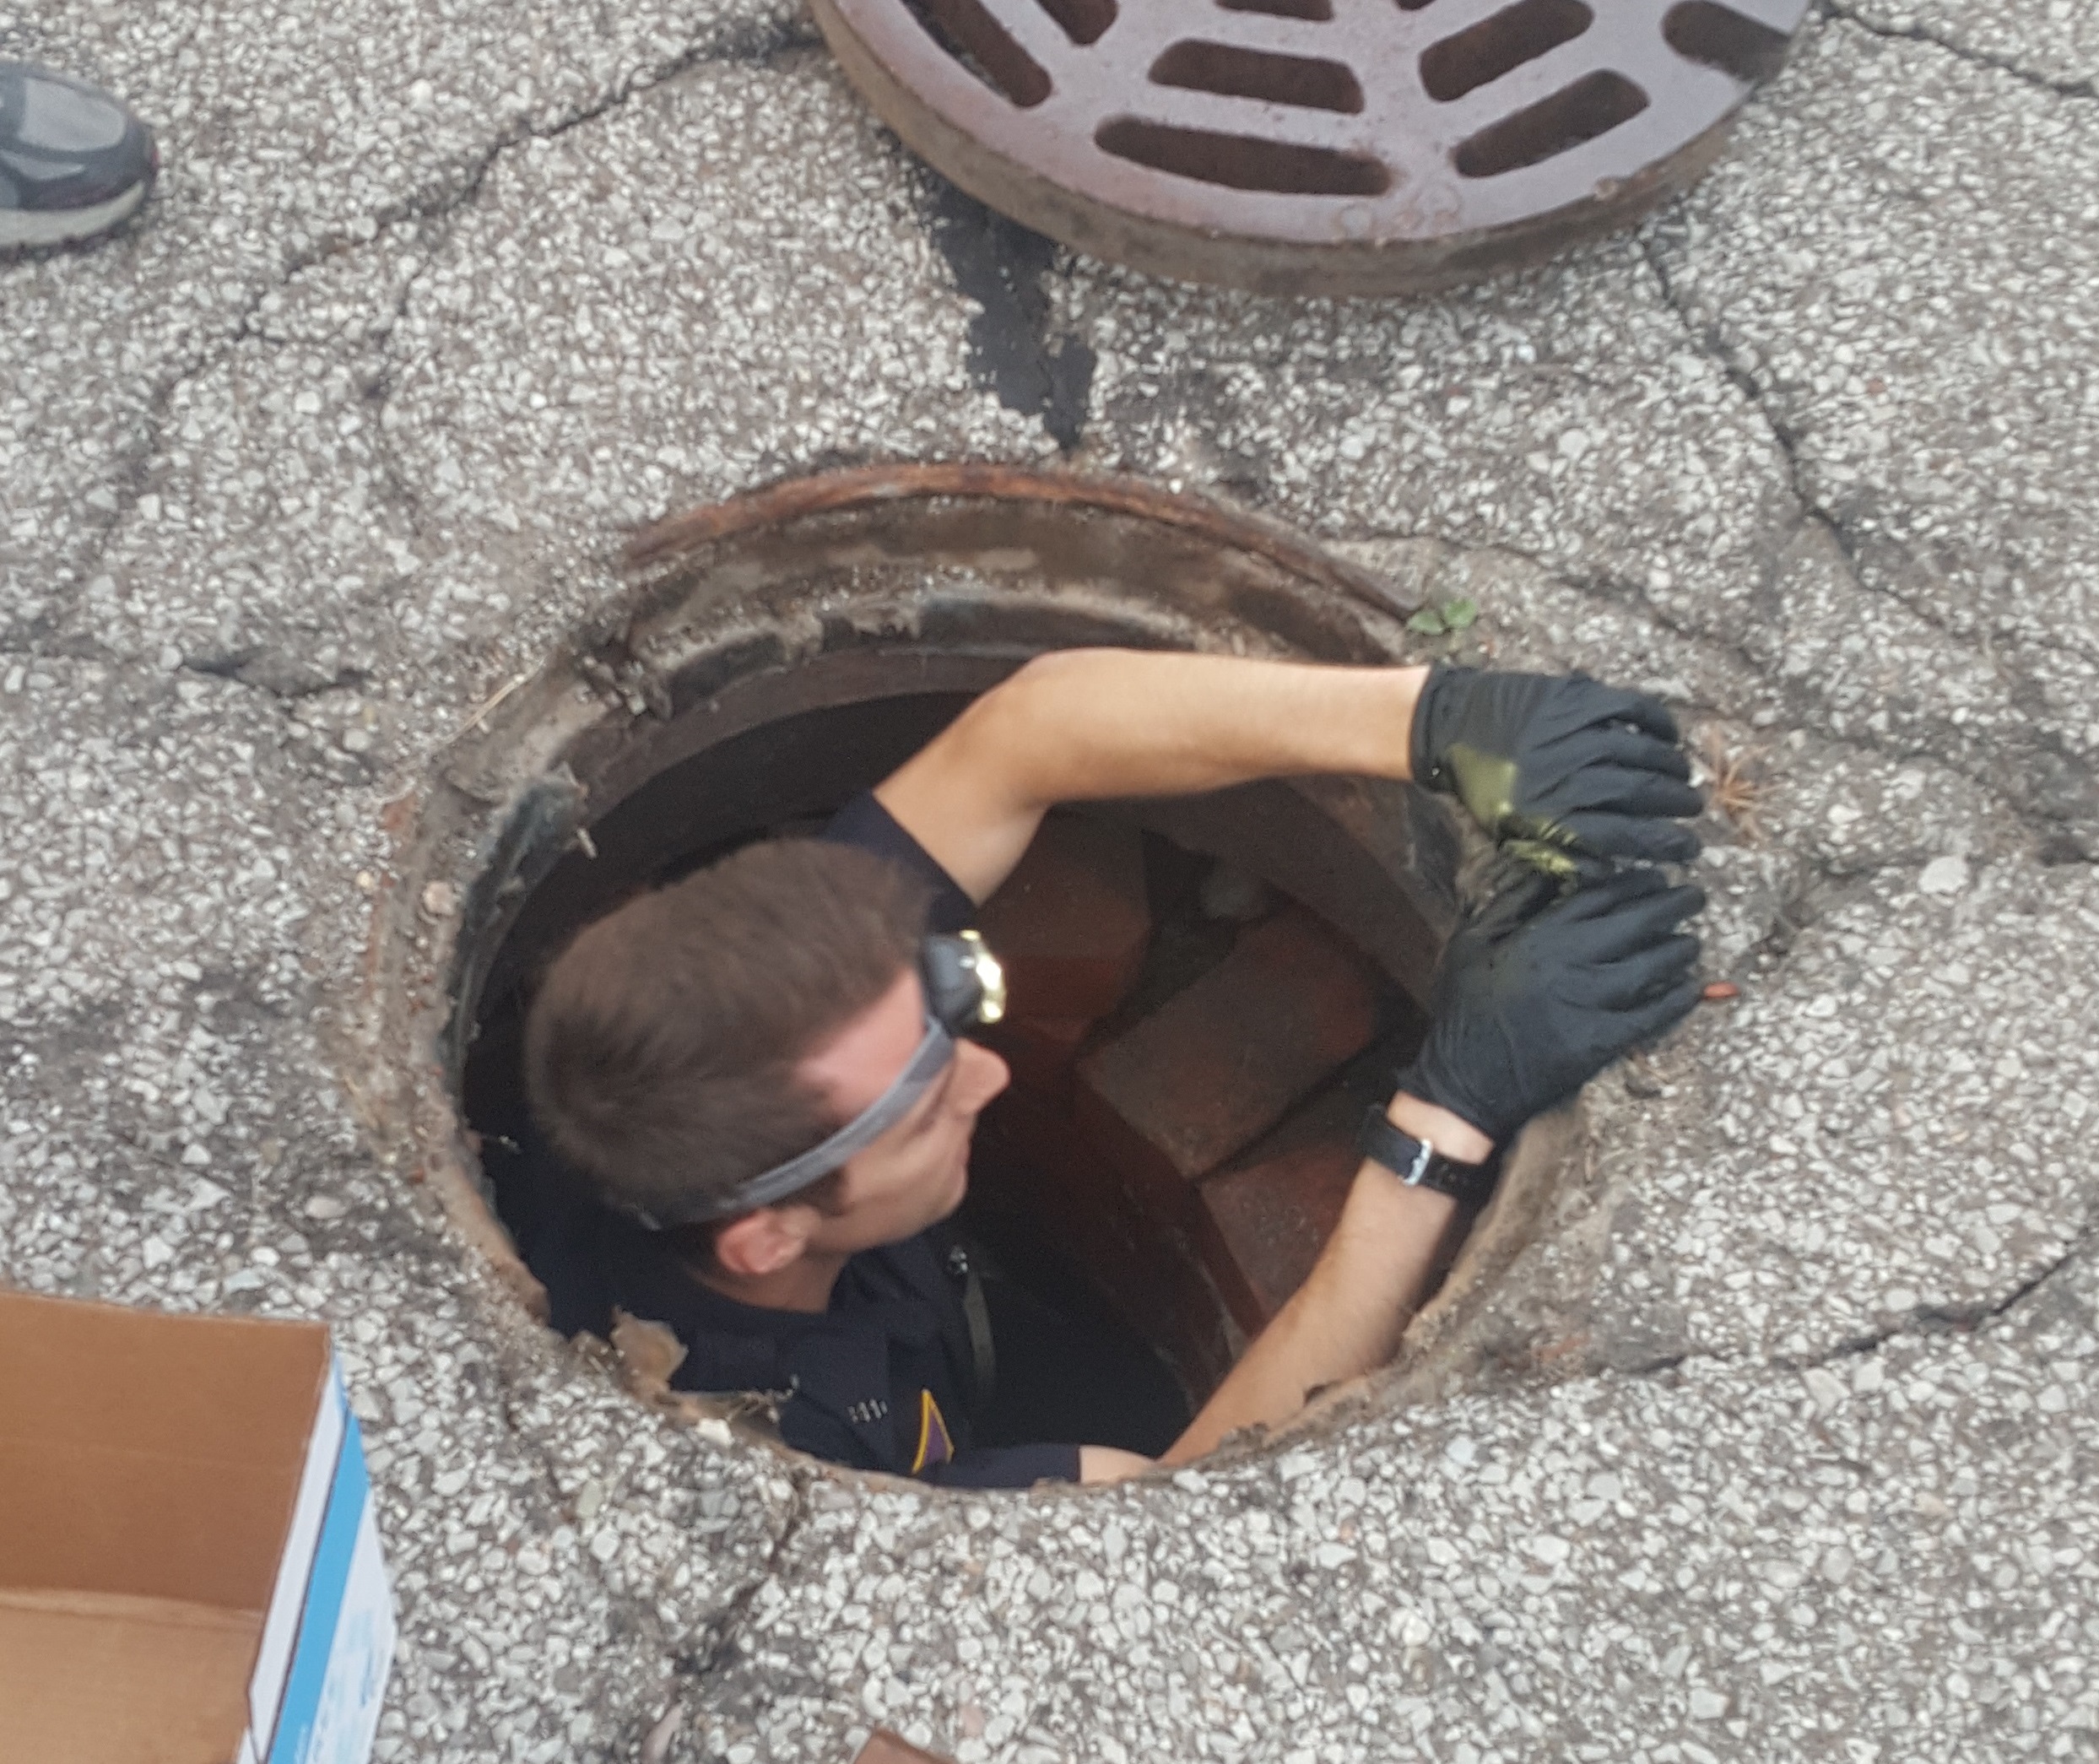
(762, 1243)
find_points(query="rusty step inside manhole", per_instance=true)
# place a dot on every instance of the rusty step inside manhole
(1330, 147)
(783, 651)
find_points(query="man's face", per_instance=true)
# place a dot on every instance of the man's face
(918, 1171)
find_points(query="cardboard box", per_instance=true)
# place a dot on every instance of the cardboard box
(189, 1569)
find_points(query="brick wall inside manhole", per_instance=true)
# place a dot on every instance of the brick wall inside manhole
(1206, 991)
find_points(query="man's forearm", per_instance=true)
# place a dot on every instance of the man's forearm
(1103, 722)
(1348, 1317)
(1079, 725)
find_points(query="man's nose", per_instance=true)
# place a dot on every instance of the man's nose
(982, 1075)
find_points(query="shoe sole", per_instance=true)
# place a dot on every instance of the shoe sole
(23, 229)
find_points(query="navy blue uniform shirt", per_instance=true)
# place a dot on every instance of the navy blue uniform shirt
(882, 1380)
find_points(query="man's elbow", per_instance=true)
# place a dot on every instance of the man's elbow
(997, 721)
(994, 749)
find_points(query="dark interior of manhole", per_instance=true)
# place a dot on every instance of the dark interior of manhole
(1192, 1048)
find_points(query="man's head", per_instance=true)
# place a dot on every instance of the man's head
(714, 1029)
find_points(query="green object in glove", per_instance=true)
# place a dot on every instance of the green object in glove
(1558, 762)
(1538, 993)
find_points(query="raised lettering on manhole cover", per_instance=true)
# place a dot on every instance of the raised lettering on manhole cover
(1352, 147)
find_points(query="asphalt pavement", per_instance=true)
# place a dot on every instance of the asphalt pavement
(1783, 1442)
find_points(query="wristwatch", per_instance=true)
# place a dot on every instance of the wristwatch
(1419, 1165)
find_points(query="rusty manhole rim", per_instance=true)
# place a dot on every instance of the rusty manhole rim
(1134, 130)
(502, 789)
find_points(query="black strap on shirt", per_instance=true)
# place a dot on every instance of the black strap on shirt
(977, 1312)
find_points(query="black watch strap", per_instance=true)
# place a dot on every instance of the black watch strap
(1419, 1165)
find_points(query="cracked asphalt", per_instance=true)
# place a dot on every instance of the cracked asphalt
(1779, 1443)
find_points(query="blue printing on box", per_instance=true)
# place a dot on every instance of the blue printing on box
(355, 1692)
(280, 1634)
(325, 1586)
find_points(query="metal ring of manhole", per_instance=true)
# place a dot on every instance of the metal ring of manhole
(778, 652)
(1336, 147)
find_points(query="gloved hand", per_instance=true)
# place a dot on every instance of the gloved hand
(1536, 996)
(1559, 763)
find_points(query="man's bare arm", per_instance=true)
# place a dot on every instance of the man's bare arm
(1111, 1463)
(1084, 724)
(1348, 1317)
(1537, 992)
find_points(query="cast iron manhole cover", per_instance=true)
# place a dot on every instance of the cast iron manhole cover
(1344, 147)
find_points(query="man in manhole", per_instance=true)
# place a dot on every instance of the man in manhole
(762, 1074)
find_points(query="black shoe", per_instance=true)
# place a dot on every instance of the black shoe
(73, 161)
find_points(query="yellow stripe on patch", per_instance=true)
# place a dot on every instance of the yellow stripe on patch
(934, 1447)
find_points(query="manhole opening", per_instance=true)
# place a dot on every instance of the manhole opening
(1192, 1047)
(779, 654)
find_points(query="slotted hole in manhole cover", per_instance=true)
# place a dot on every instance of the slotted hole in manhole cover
(1499, 44)
(789, 651)
(1390, 146)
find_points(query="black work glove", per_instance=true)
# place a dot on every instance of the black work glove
(1557, 764)
(1537, 995)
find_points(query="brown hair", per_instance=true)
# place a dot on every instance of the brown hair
(660, 1054)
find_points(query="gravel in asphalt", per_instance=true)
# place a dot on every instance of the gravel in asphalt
(1787, 1446)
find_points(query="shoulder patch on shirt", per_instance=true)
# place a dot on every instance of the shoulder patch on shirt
(934, 1447)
